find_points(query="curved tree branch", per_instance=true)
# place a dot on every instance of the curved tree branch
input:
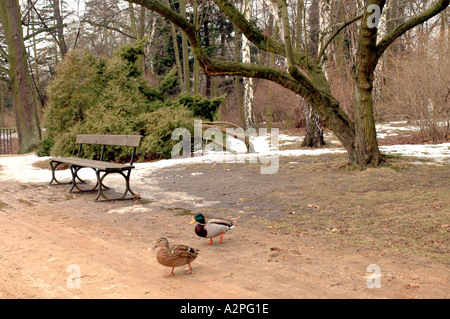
(312, 86)
(439, 6)
(268, 44)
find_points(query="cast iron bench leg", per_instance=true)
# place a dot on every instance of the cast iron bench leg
(74, 169)
(54, 165)
(100, 182)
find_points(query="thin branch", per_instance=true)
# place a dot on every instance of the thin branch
(27, 10)
(4, 70)
(43, 22)
(4, 55)
(338, 30)
(6, 81)
(106, 26)
(42, 30)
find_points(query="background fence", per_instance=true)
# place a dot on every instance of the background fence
(6, 137)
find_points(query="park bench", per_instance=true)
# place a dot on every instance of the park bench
(101, 167)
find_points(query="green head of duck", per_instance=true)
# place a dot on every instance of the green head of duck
(199, 218)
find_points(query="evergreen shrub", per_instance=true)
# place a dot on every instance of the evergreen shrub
(98, 95)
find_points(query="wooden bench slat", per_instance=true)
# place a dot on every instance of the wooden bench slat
(91, 163)
(116, 140)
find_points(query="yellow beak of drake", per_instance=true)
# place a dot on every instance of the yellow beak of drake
(192, 221)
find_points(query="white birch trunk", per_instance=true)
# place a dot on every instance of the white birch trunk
(148, 63)
(324, 32)
(276, 14)
(314, 124)
(248, 82)
(273, 8)
(378, 73)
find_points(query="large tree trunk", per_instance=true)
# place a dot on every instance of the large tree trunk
(24, 94)
(366, 145)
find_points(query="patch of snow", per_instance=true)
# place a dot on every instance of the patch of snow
(437, 152)
(20, 167)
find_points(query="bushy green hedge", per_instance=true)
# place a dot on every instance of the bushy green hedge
(94, 95)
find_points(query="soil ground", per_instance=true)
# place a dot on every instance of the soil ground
(309, 231)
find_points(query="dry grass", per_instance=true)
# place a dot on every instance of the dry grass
(398, 207)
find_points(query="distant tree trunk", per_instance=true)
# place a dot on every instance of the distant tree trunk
(60, 30)
(136, 35)
(36, 59)
(185, 49)
(2, 106)
(248, 82)
(298, 39)
(313, 130)
(134, 29)
(24, 95)
(177, 52)
(141, 28)
(196, 70)
(314, 124)
(237, 58)
(207, 44)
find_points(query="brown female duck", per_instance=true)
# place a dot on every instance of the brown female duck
(175, 256)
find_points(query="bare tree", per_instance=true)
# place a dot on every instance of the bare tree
(305, 76)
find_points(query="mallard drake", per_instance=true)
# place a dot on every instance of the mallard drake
(175, 256)
(213, 228)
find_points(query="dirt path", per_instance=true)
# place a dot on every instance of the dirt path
(44, 230)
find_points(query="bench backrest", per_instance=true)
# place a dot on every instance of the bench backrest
(116, 140)
(110, 140)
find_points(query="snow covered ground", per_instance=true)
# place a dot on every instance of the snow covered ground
(20, 168)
